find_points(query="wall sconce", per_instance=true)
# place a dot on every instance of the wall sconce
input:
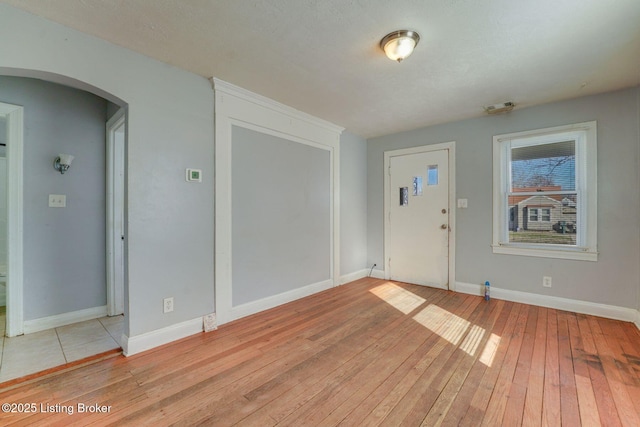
(398, 45)
(62, 162)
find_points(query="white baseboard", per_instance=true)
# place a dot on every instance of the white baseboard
(149, 340)
(50, 322)
(276, 300)
(566, 304)
(351, 277)
(378, 274)
(637, 321)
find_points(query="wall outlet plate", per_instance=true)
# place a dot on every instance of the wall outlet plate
(168, 305)
(57, 200)
(210, 323)
(546, 281)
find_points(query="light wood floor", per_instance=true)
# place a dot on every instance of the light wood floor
(368, 353)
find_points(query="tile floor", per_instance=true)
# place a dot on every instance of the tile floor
(27, 354)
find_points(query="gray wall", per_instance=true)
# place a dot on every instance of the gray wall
(281, 215)
(614, 278)
(64, 248)
(353, 203)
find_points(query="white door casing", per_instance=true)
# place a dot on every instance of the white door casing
(14, 116)
(419, 230)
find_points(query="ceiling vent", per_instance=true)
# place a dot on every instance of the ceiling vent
(503, 107)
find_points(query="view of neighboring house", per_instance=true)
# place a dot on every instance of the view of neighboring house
(552, 212)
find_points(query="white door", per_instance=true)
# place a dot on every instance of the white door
(418, 220)
(116, 129)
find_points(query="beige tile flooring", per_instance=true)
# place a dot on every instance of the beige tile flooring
(27, 354)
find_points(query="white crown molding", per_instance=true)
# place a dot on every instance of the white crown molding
(149, 340)
(222, 86)
(566, 304)
(50, 322)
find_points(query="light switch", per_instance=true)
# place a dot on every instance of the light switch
(57, 201)
(462, 203)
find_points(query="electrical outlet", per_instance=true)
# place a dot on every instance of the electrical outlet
(168, 305)
(209, 321)
(546, 281)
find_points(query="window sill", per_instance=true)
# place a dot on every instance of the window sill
(546, 253)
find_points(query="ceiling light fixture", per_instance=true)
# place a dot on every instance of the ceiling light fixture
(398, 45)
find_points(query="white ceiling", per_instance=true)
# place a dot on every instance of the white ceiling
(322, 56)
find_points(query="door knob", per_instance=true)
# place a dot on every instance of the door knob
(443, 226)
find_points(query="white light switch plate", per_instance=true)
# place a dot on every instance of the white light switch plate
(57, 201)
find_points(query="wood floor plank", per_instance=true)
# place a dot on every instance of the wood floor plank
(603, 396)
(497, 404)
(570, 414)
(477, 408)
(624, 404)
(517, 393)
(587, 405)
(369, 353)
(532, 415)
(551, 393)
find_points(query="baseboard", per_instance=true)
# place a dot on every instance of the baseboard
(351, 277)
(276, 300)
(637, 321)
(149, 340)
(566, 304)
(377, 274)
(50, 322)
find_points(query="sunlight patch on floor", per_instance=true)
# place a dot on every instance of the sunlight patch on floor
(490, 349)
(472, 340)
(449, 326)
(440, 321)
(398, 297)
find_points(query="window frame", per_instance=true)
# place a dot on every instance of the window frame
(585, 137)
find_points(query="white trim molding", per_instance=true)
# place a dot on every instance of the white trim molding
(558, 303)
(235, 106)
(637, 319)
(584, 135)
(50, 322)
(377, 274)
(352, 277)
(158, 337)
(275, 300)
(14, 116)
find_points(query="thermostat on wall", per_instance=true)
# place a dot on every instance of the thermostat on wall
(194, 175)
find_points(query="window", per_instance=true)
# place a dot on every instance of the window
(545, 192)
(546, 215)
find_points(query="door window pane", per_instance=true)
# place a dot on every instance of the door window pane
(404, 196)
(417, 186)
(432, 175)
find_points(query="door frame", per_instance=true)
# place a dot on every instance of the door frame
(451, 148)
(14, 115)
(114, 206)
